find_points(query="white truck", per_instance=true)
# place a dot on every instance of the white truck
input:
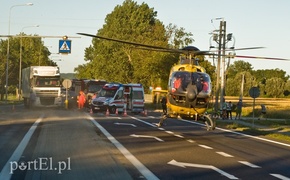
(41, 86)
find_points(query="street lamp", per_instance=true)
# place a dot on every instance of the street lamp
(20, 59)
(7, 60)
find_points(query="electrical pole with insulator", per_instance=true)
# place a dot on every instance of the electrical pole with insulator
(222, 51)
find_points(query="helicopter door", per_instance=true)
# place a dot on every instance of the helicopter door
(128, 97)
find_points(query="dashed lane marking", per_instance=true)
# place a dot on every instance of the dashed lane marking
(191, 141)
(280, 176)
(249, 164)
(177, 135)
(224, 154)
(204, 146)
(169, 132)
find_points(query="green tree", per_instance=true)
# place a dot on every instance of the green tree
(125, 63)
(237, 67)
(270, 81)
(275, 87)
(178, 37)
(234, 74)
(287, 88)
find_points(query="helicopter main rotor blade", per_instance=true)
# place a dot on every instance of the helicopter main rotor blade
(238, 49)
(249, 57)
(247, 48)
(123, 41)
(160, 50)
(188, 49)
(257, 57)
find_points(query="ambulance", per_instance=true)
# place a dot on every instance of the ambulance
(117, 97)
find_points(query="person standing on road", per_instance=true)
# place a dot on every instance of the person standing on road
(81, 100)
(229, 110)
(164, 109)
(163, 104)
(239, 109)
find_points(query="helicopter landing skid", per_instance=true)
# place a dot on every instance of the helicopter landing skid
(161, 123)
(209, 122)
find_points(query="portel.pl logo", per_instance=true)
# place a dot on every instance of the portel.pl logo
(40, 164)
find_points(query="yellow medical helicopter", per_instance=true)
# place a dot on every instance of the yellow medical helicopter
(189, 86)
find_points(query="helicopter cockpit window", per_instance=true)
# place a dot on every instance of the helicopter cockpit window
(206, 82)
(180, 80)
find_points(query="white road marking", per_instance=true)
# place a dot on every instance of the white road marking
(224, 154)
(169, 132)
(177, 135)
(113, 117)
(280, 176)
(191, 141)
(234, 132)
(145, 136)
(125, 124)
(141, 168)
(249, 164)
(204, 146)
(142, 121)
(228, 155)
(156, 124)
(182, 164)
(173, 162)
(5, 172)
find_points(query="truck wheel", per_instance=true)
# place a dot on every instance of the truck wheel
(113, 109)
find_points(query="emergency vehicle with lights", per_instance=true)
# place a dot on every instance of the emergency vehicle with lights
(116, 97)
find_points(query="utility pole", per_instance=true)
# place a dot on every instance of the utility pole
(221, 41)
(223, 44)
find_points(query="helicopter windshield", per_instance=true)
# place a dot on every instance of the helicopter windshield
(179, 81)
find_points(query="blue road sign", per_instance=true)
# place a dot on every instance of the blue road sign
(64, 46)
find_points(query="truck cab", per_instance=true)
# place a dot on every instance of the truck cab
(41, 86)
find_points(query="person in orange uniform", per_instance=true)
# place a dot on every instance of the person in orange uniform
(82, 100)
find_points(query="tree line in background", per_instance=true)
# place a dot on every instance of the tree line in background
(117, 62)
(271, 82)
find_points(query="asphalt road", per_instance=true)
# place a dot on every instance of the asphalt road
(72, 144)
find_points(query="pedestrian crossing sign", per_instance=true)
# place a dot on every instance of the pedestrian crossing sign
(64, 46)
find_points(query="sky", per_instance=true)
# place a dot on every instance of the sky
(253, 23)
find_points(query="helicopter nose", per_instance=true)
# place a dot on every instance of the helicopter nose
(191, 92)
